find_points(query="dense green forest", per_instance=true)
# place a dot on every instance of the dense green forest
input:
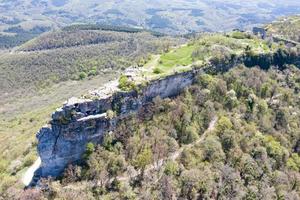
(229, 136)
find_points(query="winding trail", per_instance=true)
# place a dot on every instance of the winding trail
(27, 177)
(158, 164)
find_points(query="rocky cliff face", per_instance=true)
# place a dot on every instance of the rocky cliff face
(82, 121)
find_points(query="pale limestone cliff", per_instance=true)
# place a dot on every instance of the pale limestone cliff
(81, 121)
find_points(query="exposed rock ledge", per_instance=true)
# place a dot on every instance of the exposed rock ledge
(81, 121)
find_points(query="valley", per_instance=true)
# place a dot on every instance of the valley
(22, 20)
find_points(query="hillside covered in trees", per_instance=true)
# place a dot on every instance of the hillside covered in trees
(230, 136)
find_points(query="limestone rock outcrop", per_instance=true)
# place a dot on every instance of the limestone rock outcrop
(81, 121)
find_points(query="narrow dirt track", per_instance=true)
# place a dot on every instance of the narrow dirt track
(27, 177)
(173, 156)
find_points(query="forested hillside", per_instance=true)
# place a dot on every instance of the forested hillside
(84, 34)
(230, 136)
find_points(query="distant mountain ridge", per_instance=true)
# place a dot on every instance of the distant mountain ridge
(18, 17)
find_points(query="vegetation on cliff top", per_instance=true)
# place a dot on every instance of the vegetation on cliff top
(216, 49)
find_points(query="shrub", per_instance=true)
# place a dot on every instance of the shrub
(239, 35)
(32, 194)
(231, 100)
(157, 71)
(223, 124)
(275, 150)
(171, 168)
(218, 90)
(6, 182)
(3, 166)
(197, 183)
(71, 174)
(115, 185)
(116, 164)
(143, 158)
(205, 80)
(108, 142)
(249, 169)
(293, 162)
(125, 84)
(141, 62)
(92, 72)
(90, 148)
(191, 157)
(212, 150)
(110, 114)
(82, 75)
(228, 140)
(127, 193)
(190, 135)
(251, 100)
